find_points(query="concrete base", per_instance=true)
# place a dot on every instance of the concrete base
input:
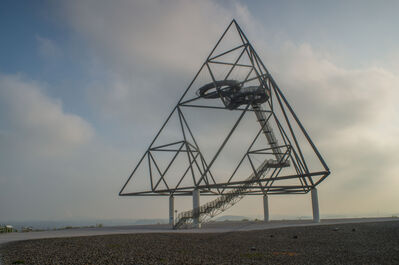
(196, 205)
(265, 208)
(315, 206)
(171, 211)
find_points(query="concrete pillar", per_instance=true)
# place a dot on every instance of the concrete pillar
(196, 205)
(171, 210)
(315, 206)
(265, 208)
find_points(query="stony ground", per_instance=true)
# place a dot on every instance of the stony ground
(368, 243)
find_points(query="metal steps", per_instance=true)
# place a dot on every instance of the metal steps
(209, 210)
(222, 203)
(271, 138)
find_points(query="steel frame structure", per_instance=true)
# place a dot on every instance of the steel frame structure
(206, 182)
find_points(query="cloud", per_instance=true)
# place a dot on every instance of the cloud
(348, 97)
(150, 50)
(53, 164)
(149, 33)
(45, 152)
(37, 123)
(47, 48)
(143, 55)
(352, 116)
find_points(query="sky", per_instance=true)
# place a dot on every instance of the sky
(85, 85)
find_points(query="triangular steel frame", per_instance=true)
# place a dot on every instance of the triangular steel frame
(204, 180)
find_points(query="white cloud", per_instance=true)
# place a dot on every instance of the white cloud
(150, 33)
(352, 115)
(144, 54)
(47, 48)
(37, 123)
(52, 163)
(332, 97)
(145, 51)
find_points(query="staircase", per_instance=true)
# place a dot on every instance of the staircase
(271, 138)
(225, 201)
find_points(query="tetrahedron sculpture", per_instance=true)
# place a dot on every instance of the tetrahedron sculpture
(231, 134)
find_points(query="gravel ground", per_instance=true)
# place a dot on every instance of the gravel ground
(367, 243)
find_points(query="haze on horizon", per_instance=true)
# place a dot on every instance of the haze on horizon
(85, 85)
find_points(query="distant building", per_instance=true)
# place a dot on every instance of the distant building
(27, 229)
(6, 228)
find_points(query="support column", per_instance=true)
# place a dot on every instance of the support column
(172, 210)
(315, 206)
(196, 205)
(265, 208)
